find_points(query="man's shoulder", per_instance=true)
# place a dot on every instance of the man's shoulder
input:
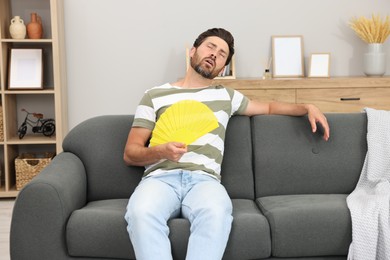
(159, 91)
(220, 86)
(163, 86)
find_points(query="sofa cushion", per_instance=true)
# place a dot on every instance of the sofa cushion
(99, 142)
(250, 237)
(290, 159)
(308, 225)
(236, 172)
(109, 177)
(99, 230)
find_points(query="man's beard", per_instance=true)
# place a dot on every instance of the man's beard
(203, 73)
(200, 70)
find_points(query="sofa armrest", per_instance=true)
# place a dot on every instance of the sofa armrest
(43, 207)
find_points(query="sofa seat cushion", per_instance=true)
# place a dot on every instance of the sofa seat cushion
(99, 230)
(250, 237)
(308, 225)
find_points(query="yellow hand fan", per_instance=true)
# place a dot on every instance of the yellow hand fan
(184, 121)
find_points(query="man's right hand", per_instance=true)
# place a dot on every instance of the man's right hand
(136, 153)
(172, 151)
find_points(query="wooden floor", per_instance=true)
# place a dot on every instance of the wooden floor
(5, 221)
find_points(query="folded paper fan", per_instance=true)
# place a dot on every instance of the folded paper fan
(184, 121)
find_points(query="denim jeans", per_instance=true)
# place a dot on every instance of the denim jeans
(192, 195)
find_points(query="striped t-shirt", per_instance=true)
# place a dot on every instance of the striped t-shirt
(206, 153)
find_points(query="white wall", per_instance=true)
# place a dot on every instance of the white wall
(116, 49)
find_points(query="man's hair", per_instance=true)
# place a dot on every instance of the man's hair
(221, 33)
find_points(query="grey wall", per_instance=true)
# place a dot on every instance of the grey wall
(116, 49)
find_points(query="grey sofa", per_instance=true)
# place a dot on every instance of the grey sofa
(288, 188)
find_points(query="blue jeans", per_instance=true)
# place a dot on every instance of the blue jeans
(195, 196)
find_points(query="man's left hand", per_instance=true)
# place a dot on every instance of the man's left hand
(316, 116)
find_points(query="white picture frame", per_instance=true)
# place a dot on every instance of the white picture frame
(25, 69)
(287, 56)
(319, 65)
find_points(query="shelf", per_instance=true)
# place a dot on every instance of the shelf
(27, 40)
(32, 139)
(36, 91)
(12, 193)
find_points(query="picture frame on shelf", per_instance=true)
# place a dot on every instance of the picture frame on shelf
(319, 65)
(25, 69)
(229, 72)
(287, 56)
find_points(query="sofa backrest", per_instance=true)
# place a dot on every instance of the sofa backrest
(290, 159)
(237, 171)
(99, 142)
(286, 158)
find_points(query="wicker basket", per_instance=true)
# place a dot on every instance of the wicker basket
(27, 166)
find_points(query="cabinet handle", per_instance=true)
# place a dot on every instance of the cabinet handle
(349, 99)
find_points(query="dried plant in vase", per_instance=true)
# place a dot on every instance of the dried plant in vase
(374, 31)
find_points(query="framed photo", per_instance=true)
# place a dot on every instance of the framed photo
(25, 69)
(319, 65)
(229, 72)
(287, 56)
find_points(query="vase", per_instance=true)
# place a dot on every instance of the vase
(34, 27)
(375, 60)
(17, 29)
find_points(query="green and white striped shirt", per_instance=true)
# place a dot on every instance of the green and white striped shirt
(206, 153)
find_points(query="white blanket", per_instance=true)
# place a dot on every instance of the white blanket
(369, 202)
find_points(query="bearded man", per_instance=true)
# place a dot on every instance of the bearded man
(183, 179)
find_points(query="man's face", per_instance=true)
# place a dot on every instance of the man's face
(210, 57)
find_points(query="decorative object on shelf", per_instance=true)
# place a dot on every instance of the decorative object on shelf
(319, 65)
(25, 69)
(374, 32)
(375, 60)
(17, 29)
(28, 165)
(46, 126)
(287, 56)
(34, 27)
(185, 122)
(267, 74)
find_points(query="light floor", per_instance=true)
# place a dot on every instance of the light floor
(6, 206)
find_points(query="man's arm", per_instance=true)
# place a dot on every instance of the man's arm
(136, 153)
(279, 108)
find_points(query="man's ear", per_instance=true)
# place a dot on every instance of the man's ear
(192, 52)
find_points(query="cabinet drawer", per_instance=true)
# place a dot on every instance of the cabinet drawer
(269, 95)
(346, 99)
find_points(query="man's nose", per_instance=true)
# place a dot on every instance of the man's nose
(213, 56)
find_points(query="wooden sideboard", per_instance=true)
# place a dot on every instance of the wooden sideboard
(338, 94)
